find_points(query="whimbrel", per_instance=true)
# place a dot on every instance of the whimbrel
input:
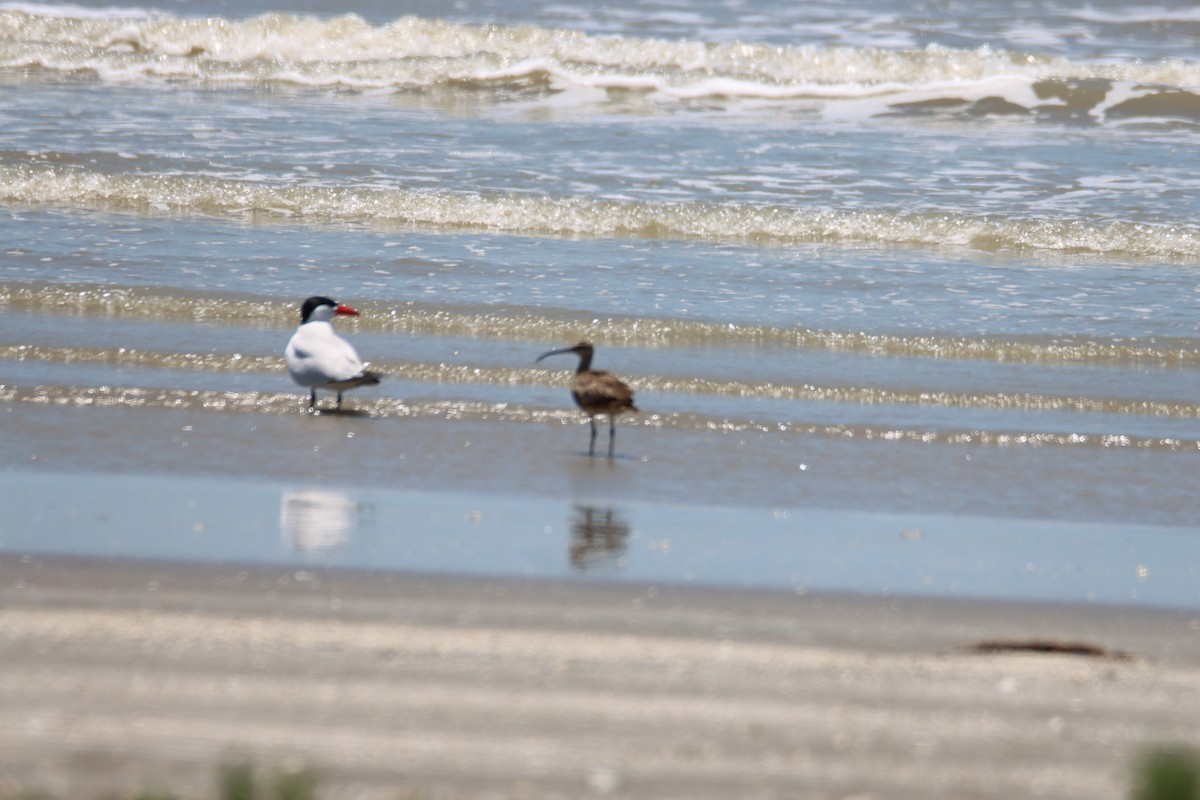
(597, 392)
(320, 359)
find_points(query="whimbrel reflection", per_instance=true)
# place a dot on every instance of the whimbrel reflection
(316, 520)
(598, 538)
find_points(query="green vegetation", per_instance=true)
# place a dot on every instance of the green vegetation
(1163, 773)
(238, 782)
(234, 782)
(1168, 773)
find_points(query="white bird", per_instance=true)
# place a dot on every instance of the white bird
(320, 359)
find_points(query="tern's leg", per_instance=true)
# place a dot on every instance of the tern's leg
(339, 407)
(312, 400)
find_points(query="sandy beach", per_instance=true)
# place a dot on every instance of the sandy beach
(117, 676)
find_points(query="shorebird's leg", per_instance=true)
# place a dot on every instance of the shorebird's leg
(612, 434)
(312, 400)
(339, 407)
(592, 443)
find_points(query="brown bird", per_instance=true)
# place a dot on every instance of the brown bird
(597, 392)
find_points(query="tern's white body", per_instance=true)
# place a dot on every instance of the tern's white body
(317, 358)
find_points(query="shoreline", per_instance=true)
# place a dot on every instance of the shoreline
(120, 676)
(226, 585)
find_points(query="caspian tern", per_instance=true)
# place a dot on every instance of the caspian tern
(597, 392)
(320, 359)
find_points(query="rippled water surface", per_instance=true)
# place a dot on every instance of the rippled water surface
(891, 269)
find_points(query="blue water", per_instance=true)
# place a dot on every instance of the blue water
(602, 539)
(869, 268)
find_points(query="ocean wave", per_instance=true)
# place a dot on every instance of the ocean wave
(73, 11)
(414, 53)
(411, 317)
(763, 225)
(472, 411)
(442, 373)
(1136, 15)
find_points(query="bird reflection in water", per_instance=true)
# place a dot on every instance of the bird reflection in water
(598, 538)
(316, 520)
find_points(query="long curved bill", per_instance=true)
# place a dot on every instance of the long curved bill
(559, 351)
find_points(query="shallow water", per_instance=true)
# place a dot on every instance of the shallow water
(868, 270)
(598, 536)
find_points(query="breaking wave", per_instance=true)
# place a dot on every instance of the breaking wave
(443, 373)
(514, 325)
(422, 54)
(766, 225)
(459, 410)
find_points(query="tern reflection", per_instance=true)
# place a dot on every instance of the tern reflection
(598, 538)
(316, 520)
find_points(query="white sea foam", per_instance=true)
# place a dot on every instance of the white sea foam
(545, 216)
(71, 11)
(1136, 15)
(422, 53)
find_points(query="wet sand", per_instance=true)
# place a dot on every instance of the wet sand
(117, 675)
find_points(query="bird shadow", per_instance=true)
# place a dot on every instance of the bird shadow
(353, 413)
(605, 456)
